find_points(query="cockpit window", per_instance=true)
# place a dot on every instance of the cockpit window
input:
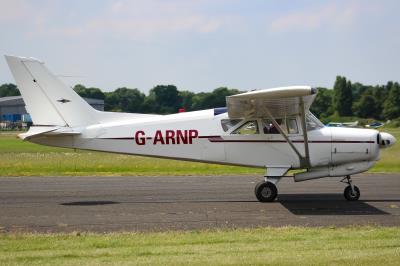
(229, 123)
(312, 122)
(248, 128)
(292, 126)
(288, 126)
(269, 127)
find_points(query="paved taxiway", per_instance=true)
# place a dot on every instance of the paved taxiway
(103, 204)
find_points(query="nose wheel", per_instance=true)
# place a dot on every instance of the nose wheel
(266, 191)
(351, 192)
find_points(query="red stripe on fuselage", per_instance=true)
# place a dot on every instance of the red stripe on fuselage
(220, 139)
(283, 141)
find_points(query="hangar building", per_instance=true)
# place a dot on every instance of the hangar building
(12, 109)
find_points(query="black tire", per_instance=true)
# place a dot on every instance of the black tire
(348, 193)
(266, 192)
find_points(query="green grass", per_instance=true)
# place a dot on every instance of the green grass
(263, 246)
(21, 158)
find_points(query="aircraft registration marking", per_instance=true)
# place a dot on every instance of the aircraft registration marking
(167, 137)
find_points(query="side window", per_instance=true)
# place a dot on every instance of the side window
(269, 128)
(248, 128)
(229, 123)
(292, 126)
(288, 126)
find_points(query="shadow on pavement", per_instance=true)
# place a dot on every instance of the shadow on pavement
(326, 204)
(89, 203)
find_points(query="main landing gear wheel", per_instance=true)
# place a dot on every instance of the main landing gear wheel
(350, 195)
(266, 191)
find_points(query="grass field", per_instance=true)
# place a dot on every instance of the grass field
(19, 158)
(263, 246)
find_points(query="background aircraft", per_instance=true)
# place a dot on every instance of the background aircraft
(270, 128)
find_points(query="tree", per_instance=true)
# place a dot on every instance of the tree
(216, 98)
(125, 100)
(94, 93)
(367, 105)
(9, 90)
(186, 100)
(380, 94)
(163, 99)
(343, 96)
(358, 89)
(322, 105)
(391, 108)
(150, 106)
(199, 101)
(111, 102)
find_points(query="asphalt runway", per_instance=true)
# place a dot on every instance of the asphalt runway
(104, 204)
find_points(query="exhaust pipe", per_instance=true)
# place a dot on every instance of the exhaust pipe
(313, 174)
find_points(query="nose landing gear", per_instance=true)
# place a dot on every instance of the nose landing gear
(351, 192)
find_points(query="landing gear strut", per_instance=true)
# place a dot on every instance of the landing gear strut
(266, 191)
(351, 192)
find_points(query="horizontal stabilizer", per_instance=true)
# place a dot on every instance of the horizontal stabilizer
(35, 132)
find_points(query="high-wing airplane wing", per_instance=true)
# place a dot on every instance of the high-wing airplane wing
(276, 102)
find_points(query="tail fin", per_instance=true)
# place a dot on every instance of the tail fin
(47, 99)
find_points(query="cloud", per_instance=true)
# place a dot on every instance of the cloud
(314, 18)
(141, 27)
(142, 20)
(151, 17)
(13, 10)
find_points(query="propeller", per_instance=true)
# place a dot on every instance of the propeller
(385, 140)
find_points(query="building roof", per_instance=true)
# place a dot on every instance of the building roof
(10, 98)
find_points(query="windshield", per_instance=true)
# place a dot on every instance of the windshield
(312, 122)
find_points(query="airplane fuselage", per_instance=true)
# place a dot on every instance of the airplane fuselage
(199, 136)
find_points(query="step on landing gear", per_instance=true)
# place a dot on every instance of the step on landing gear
(351, 192)
(266, 191)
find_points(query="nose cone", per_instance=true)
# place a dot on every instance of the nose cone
(386, 140)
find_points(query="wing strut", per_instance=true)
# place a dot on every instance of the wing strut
(305, 134)
(304, 160)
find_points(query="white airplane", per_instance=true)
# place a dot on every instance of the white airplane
(269, 128)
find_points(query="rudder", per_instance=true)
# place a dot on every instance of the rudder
(47, 99)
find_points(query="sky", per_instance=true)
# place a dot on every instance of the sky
(199, 45)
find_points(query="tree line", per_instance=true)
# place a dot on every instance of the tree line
(162, 99)
(346, 99)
